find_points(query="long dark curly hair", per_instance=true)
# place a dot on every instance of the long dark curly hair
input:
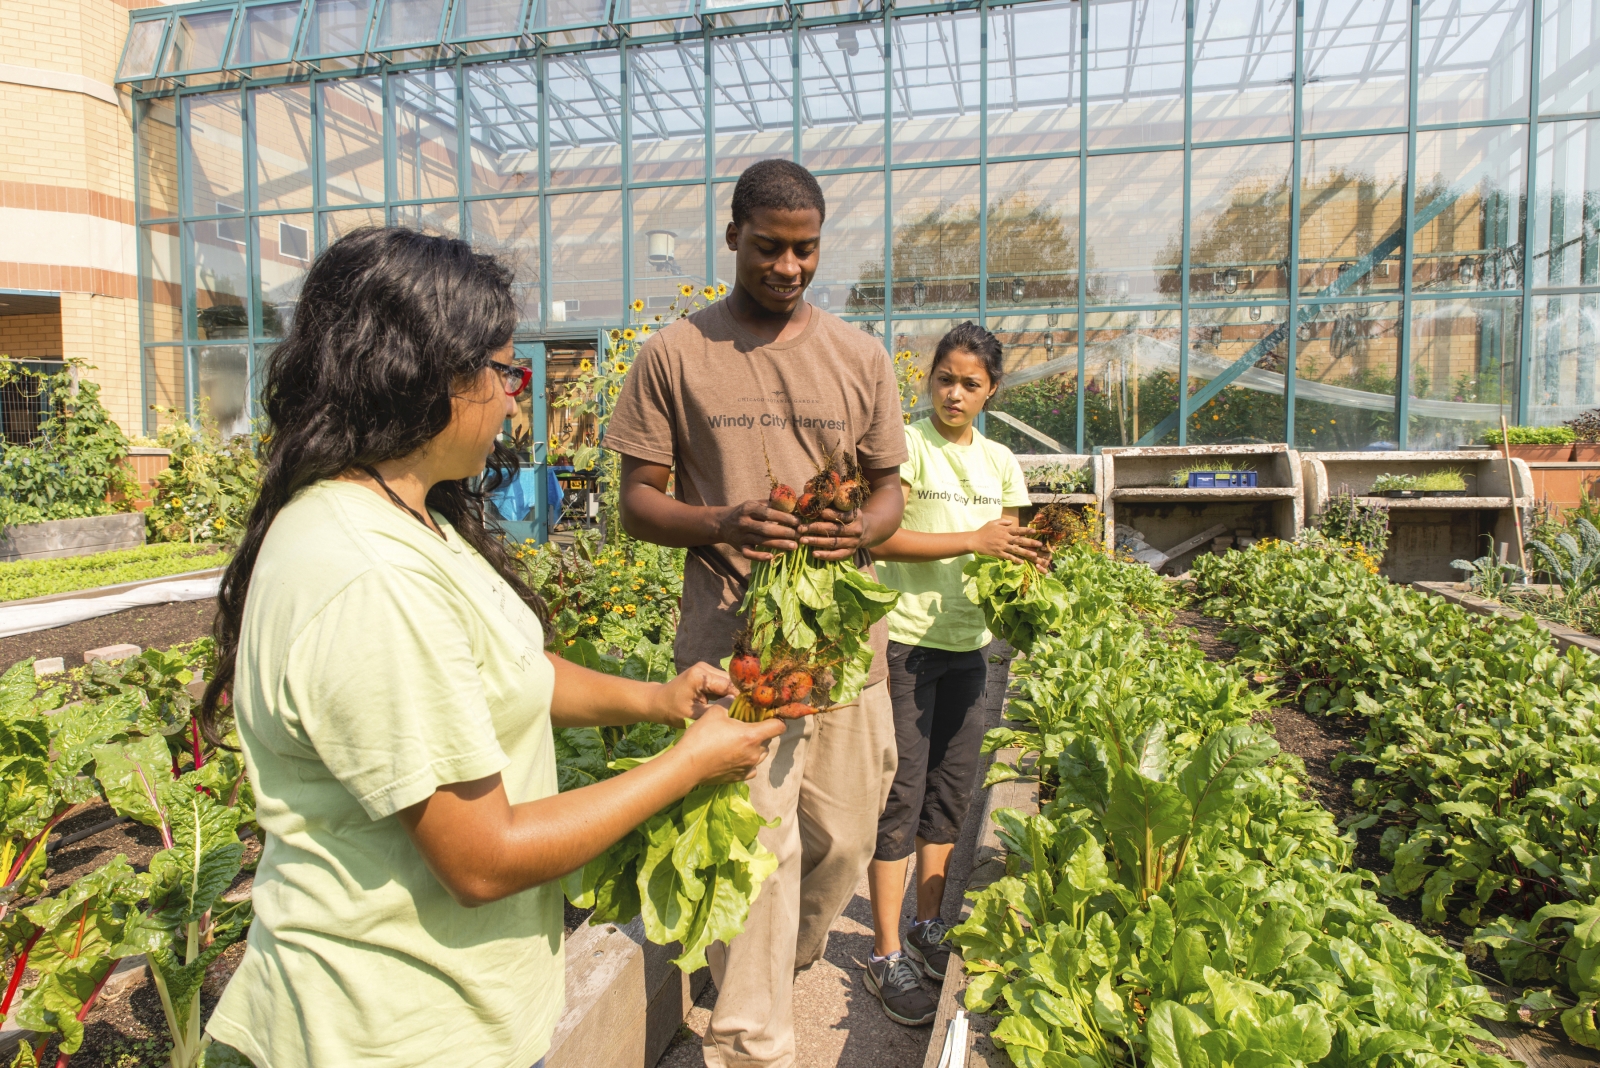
(390, 326)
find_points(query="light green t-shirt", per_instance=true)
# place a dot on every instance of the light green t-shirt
(951, 488)
(378, 662)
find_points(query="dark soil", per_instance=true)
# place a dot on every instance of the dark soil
(159, 626)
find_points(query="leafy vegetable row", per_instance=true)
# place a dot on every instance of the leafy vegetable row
(1178, 901)
(1482, 752)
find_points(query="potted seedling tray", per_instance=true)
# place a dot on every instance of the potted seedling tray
(1402, 494)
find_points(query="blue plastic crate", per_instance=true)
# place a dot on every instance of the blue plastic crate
(1221, 479)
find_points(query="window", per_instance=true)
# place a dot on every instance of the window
(294, 242)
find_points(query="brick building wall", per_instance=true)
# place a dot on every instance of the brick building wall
(66, 190)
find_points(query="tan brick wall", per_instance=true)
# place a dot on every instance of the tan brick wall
(71, 152)
(26, 337)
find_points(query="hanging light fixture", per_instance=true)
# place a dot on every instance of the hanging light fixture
(1049, 343)
(1255, 313)
(919, 293)
(847, 41)
(824, 299)
(663, 245)
(1467, 272)
(1124, 286)
(1018, 288)
(1230, 281)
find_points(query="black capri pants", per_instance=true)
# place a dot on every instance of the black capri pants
(939, 718)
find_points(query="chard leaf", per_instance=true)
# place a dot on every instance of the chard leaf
(1174, 1034)
(132, 776)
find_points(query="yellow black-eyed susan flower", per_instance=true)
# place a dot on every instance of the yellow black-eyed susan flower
(616, 335)
(708, 293)
(722, 289)
(638, 305)
(686, 289)
(628, 334)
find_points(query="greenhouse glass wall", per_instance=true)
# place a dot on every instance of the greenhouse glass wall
(1336, 223)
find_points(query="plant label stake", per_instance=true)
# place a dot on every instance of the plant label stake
(1511, 481)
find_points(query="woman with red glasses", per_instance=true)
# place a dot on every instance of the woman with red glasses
(393, 696)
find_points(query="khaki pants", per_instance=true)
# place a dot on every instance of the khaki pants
(827, 778)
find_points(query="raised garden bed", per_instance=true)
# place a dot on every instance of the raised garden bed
(57, 538)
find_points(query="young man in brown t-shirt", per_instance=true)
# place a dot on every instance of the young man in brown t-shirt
(764, 377)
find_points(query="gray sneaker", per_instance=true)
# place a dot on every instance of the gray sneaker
(894, 980)
(926, 944)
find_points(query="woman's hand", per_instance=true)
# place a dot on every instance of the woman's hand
(722, 749)
(689, 695)
(1004, 539)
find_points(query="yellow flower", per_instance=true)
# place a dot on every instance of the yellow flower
(648, 597)
(615, 589)
(612, 391)
(708, 293)
(722, 289)
(638, 305)
(658, 318)
(614, 574)
(585, 366)
(630, 609)
(644, 331)
(628, 334)
(592, 620)
(619, 368)
(617, 609)
(686, 289)
(616, 335)
(572, 641)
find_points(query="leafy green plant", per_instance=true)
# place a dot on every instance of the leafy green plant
(1346, 519)
(1450, 479)
(210, 483)
(1532, 435)
(1059, 477)
(40, 578)
(1576, 567)
(1386, 483)
(75, 466)
(1019, 602)
(1586, 427)
(1489, 576)
(613, 597)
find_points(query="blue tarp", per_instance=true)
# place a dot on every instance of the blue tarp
(514, 500)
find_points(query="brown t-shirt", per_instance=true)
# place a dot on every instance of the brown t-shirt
(714, 402)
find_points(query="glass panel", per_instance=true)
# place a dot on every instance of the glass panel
(352, 141)
(336, 28)
(139, 61)
(214, 140)
(585, 119)
(443, 218)
(841, 96)
(1040, 387)
(161, 275)
(1249, 410)
(409, 22)
(510, 229)
(1130, 376)
(1243, 69)
(1355, 65)
(158, 158)
(220, 278)
(224, 386)
(164, 388)
(669, 138)
(937, 91)
(1352, 205)
(936, 239)
(586, 258)
(1136, 73)
(723, 194)
(1562, 383)
(1239, 204)
(1033, 233)
(281, 120)
(1569, 57)
(1465, 358)
(569, 12)
(851, 269)
(486, 18)
(198, 41)
(647, 10)
(284, 246)
(1033, 79)
(1469, 217)
(266, 35)
(1474, 60)
(920, 337)
(754, 100)
(1345, 367)
(1566, 205)
(425, 134)
(335, 224)
(1135, 232)
(503, 127)
(669, 242)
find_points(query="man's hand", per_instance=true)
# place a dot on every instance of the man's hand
(689, 695)
(1003, 539)
(752, 526)
(835, 536)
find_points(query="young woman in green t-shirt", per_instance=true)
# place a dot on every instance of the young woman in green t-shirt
(393, 696)
(963, 493)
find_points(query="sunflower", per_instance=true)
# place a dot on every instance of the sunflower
(616, 335)
(708, 293)
(638, 305)
(686, 289)
(644, 331)
(628, 334)
(658, 318)
(619, 368)
(584, 366)
(722, 289)
(612, 392)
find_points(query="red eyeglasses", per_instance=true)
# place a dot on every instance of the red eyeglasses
(517, 378)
